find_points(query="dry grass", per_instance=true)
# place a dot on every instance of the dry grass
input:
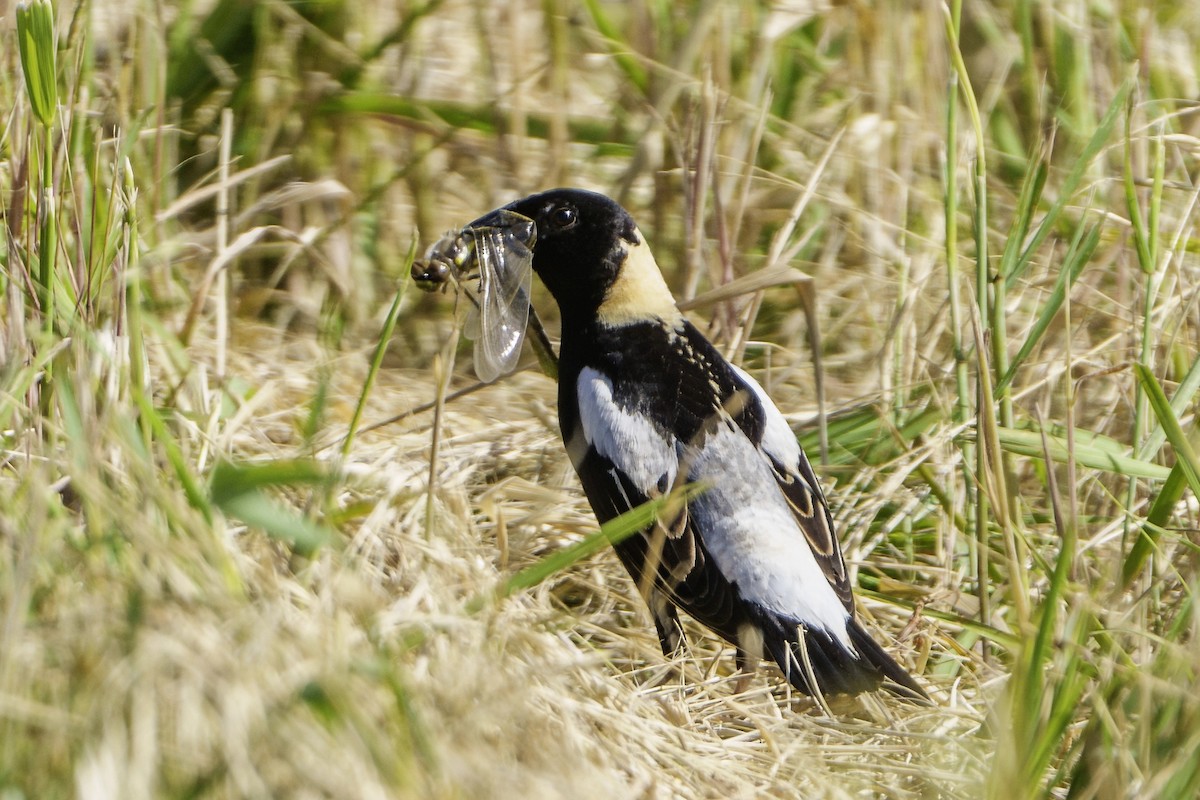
(205, 590)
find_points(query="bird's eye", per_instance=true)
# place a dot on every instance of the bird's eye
(564, 217)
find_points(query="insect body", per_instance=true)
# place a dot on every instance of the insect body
(494, 262)
(432, 273)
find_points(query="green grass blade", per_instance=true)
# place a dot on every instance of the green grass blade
(1179, 404)
(612, 532)
(236, 489)
(621, 52)
(1175, 484)
(1066, 193)
(1160, 513)
(38, 48)
(279, 522)
(1145, 237)
(1031, 194)
(1071, 683)
(1092, 451)
(196, 496)
(1185, 454)
(1073, 263)
(230, 480)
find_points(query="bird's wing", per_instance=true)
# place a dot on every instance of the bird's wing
(740, 541)
(643, 451)
(794, 476)
(623, 459)
(753, 534)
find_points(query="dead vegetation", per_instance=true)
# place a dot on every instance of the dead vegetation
(242, 553)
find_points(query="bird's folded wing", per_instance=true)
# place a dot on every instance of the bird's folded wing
(795, 478)
(625, 459)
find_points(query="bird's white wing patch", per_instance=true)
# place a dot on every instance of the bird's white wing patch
(779, 449)
(755, 539)
(628, 439)
(742, 516)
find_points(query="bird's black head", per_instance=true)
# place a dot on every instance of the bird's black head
(593, 259)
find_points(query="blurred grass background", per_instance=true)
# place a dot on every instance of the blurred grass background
(222, 576)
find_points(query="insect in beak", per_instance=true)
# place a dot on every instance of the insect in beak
(495, 253)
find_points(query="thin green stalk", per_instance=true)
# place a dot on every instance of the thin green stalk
(1030, 74)
(133, 296)
(962, 375)
(37, 43)
(981, 506)
(47, 238)
(385, 338)
(1185, 453)
(980, 173)
(1146, 241)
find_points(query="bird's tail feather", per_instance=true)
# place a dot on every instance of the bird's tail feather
(822, 659)
(898, 681)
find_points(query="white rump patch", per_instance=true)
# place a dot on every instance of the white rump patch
(748, 527)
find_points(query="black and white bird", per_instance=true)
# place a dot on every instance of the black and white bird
(647, 404)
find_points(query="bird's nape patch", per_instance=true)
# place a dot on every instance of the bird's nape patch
(639, 292)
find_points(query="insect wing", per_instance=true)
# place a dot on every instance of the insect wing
(505, 265)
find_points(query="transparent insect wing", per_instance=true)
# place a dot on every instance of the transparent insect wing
(505, 264)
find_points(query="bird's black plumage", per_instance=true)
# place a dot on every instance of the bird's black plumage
(646, 403)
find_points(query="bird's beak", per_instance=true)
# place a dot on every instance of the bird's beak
(520, 227)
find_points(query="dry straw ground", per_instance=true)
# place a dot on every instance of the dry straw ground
(221, 576)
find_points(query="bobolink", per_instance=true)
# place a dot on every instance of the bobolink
(647, 404)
